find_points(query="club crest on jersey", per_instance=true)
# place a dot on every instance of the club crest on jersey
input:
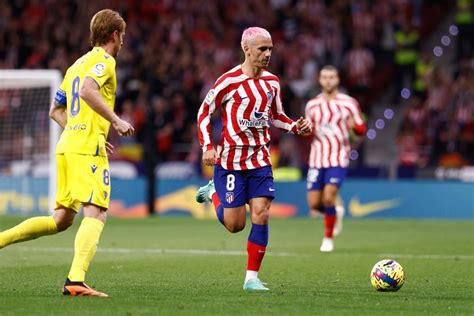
(98, 69)
(269, 97)
(229, 197)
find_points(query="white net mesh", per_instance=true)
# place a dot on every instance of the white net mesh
(27, 141)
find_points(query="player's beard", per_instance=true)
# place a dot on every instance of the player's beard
(330, 89)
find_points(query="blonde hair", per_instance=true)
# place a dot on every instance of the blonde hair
(251, 33)
(103, 24)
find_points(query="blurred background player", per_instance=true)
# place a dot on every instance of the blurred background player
(83, 106)
(250, 98)
(332, 114)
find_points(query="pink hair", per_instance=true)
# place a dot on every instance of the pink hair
(251, 33)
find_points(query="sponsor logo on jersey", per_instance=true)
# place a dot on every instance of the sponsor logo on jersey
(77, 127)
(105, 194)
(94, 168)
(259, 119)
(252, 123)
(229, 197)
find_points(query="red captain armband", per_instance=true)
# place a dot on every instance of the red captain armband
(360, 129)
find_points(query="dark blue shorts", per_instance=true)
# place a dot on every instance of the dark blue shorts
(236, 187)
(318, 178)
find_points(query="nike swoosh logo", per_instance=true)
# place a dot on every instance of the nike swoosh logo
(241, 98)
(357, 209)
(271, 189)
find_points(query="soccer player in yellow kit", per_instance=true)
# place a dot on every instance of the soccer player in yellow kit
(83, 106)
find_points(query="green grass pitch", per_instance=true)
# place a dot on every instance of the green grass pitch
(173, 266)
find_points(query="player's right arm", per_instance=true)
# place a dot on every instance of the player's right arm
(212, 101)
(90, 92)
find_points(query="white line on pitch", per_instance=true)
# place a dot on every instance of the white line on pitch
(429, 257)
(209, 252)
(161, 251)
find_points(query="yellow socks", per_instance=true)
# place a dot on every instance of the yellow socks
(87, 238)
(29, 229)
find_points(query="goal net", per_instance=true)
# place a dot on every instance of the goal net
(27, 141)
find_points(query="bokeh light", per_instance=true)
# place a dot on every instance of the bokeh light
(438, 51)
(380, 124)
(405, 93)
(388, 114)
(354, 154)
(453, 30)
(371, 134)
(445, 40)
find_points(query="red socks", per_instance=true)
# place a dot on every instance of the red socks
(329, 222)
(255, 256)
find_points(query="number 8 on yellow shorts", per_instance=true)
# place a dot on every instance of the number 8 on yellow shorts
(82, 179)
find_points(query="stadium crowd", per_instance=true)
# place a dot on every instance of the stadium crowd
(173, 50)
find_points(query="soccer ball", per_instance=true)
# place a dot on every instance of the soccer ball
(387, 275)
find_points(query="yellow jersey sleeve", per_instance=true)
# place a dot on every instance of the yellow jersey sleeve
(102, 70)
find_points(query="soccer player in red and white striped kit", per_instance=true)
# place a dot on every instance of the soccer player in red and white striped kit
(332, 115)
(249, 98)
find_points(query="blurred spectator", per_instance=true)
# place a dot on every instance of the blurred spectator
(357, 68)
(406, 55)
(174, 49)
(464, 19)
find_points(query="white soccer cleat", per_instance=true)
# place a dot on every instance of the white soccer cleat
(204, 193)
(340, 211)
(327, 245)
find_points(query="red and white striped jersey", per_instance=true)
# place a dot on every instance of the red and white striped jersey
(330, 145)
(248, 106)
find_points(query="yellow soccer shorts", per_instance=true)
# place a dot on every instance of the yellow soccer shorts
(82, 179)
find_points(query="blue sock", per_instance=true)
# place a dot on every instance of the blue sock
(259, 234)
(329, 210)
(220, 214)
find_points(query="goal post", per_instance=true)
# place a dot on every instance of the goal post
(28, 136)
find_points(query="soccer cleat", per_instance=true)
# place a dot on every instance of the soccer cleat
(80, 289)
(255, 285)
(327, 245)
(340, 210)
(204, 193)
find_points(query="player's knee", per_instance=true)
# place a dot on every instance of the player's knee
(314, 205)
(329, 200)
(63, 223)
(235, 227)
(261, 217)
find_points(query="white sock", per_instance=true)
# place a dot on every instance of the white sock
(251, 275)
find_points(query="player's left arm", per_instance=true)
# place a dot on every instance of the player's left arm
(355, 121)
(280, 120)
(58, 108)
(58, 114)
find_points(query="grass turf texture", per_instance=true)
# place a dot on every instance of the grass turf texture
(438, 258)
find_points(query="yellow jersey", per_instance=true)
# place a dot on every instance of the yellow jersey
(86, 131)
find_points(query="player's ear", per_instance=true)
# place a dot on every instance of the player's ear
(246, 48)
